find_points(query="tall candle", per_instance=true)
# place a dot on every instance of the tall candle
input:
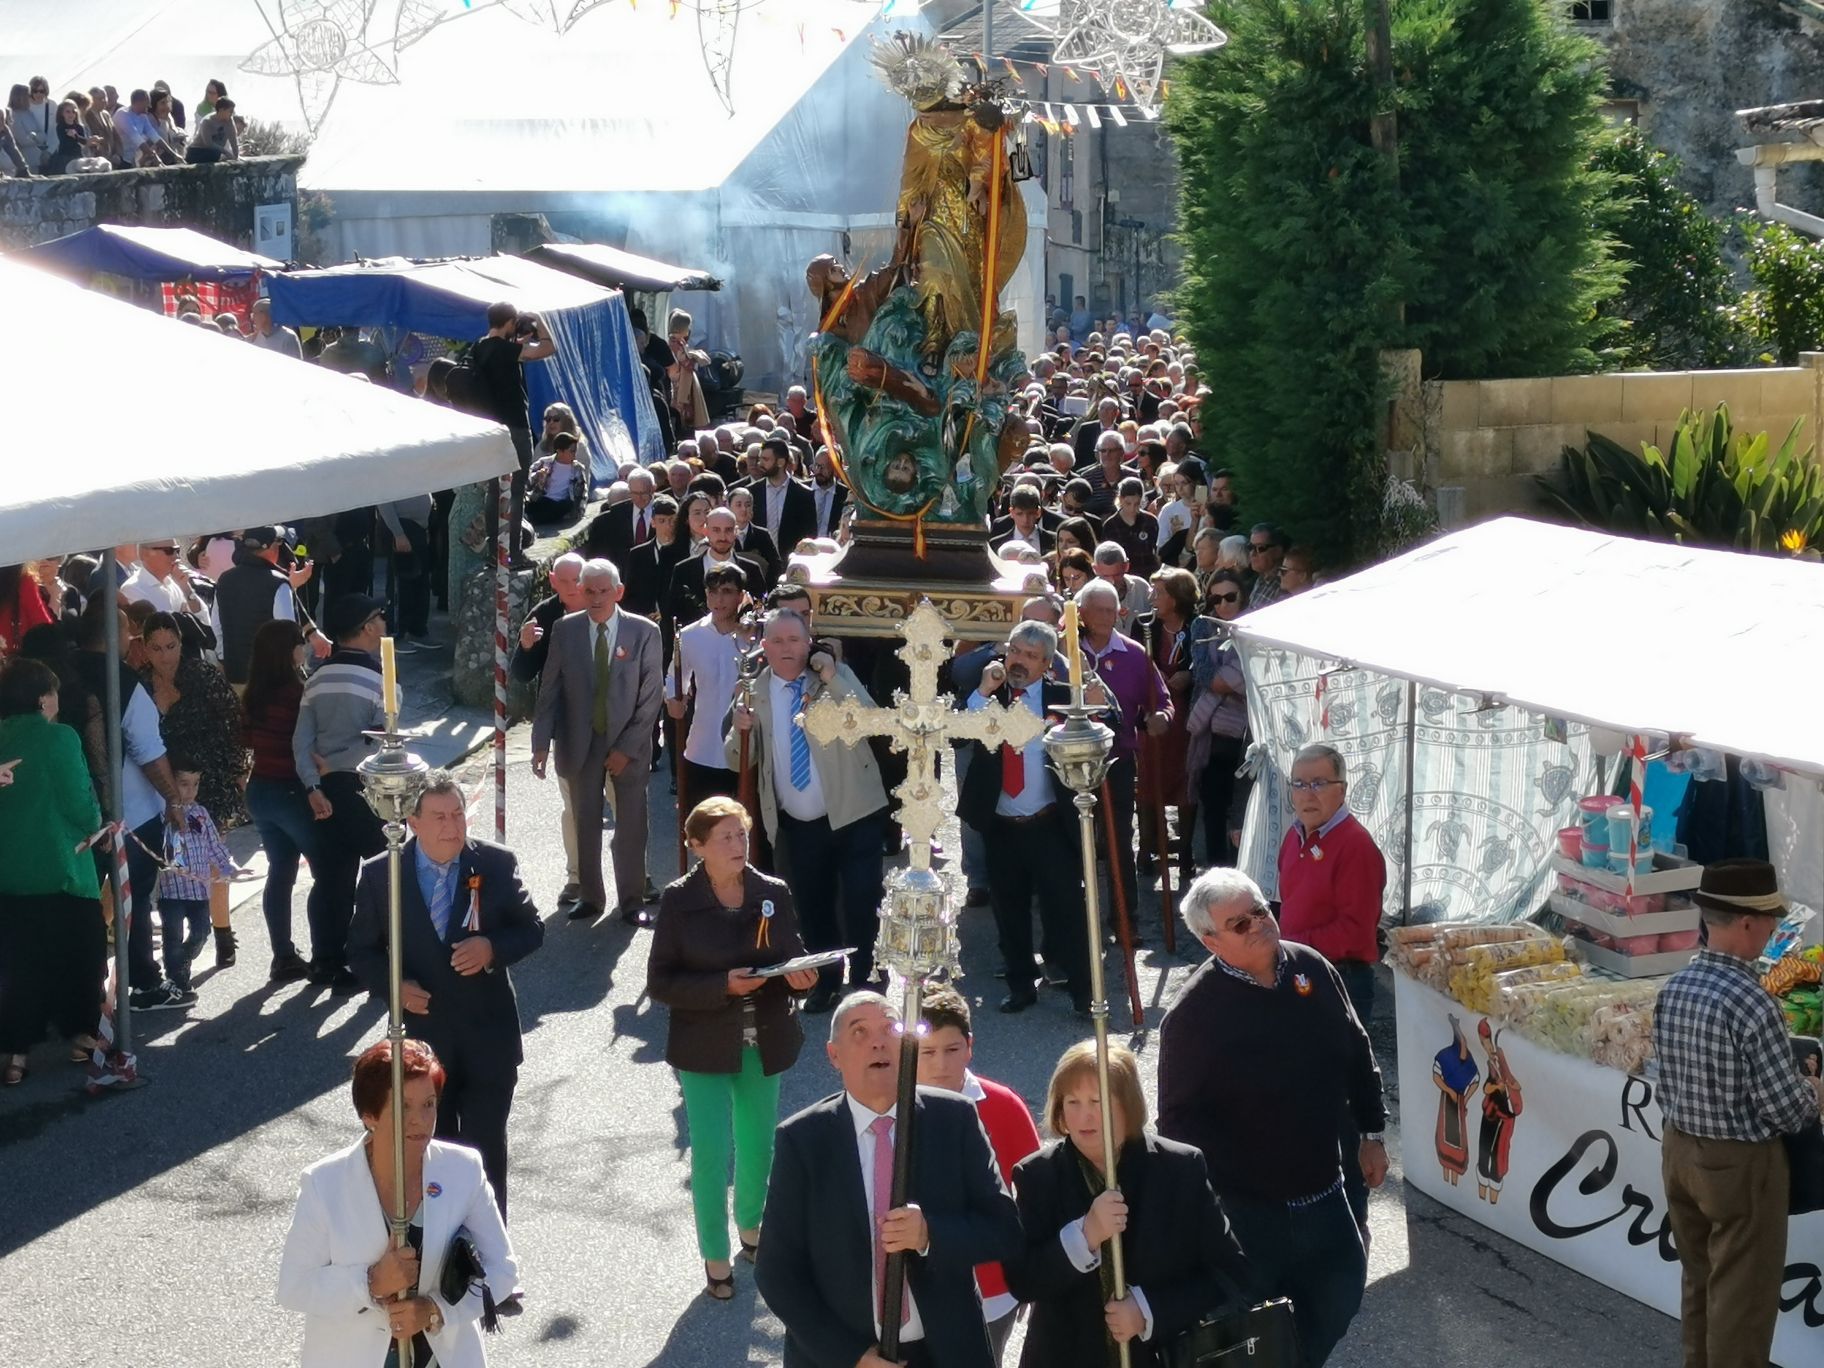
(389, 683)
(1073, 649)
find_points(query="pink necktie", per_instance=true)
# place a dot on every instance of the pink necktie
(882, 1127)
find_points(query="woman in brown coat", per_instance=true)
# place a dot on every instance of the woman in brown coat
(732, 1034)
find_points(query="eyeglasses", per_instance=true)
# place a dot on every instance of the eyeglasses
(1231, 597)
(1241, 924)
(1259, 548)
(163, 550)
(1312, 785)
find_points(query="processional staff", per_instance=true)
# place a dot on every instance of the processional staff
(394, 778)
(1079, 749)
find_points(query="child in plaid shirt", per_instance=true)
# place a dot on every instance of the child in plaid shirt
(195, 857)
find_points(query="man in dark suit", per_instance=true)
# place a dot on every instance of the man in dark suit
(828, 494)
(599, 698)
(615, 531)
(1030, 828)
(467, 917)
(1083, 440)
(685, 600)
(751, 539)
(782, 506)
(828, 1224)
(647, 573)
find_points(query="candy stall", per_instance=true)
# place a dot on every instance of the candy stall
(1536, 898)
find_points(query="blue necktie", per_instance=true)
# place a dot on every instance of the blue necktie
(443, 892)
(801, 744)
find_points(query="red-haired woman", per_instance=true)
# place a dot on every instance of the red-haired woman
(339, 1267)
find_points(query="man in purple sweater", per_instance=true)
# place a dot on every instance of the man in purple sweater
(1141, 696)
(1257, 1057)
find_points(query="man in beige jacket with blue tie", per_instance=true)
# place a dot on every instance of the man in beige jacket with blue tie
(823, 805)
(599, 697)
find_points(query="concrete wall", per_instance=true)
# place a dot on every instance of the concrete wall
(1485, 440)
(218, 200)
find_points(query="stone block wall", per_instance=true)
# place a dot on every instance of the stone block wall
(218, 200)
(1487, 440)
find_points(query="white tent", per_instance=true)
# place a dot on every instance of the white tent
(433, 118)
(205, 432)
(1435, 674)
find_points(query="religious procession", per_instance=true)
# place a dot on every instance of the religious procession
(999, 774)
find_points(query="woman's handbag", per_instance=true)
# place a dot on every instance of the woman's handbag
(1261, 1336)
(462, 1270)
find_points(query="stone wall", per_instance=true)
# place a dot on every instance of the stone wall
(218, 200)
(1690, 64)
(1487, 440)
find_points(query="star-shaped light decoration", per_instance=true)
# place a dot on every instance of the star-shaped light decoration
(318, 43)
(1127, 40)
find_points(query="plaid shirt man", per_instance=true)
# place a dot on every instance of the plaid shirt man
(1726, 1069)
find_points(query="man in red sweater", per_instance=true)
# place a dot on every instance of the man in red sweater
(944, 1052)
(1332, 876)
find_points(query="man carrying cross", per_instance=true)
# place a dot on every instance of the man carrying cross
(822, 803)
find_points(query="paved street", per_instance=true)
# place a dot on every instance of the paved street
(145, 1228)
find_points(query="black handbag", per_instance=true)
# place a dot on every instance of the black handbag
(462, 1270)
(1805, 1158)
(1261, 1336)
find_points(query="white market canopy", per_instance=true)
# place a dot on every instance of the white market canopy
(203, 433)
(1720, 648)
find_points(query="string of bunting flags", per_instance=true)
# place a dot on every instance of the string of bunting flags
(1062, 116)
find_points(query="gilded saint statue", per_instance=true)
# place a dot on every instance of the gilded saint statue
(917, 405)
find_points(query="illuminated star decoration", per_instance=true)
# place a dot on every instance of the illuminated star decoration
(318, 43)
(1127, 40)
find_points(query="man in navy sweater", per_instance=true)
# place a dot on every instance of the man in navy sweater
(1257, 1057)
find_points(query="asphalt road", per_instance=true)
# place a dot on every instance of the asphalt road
(145, 1228)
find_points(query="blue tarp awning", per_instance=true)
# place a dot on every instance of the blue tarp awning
(147, 254)
(596, 370)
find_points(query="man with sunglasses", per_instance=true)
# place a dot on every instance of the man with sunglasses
(1257, 1057)
(1266, 549)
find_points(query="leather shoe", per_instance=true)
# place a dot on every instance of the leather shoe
(1019, 1002)
(821, 1000)
(635, 915)
(976, 897)
(572, 893)
(584, 911)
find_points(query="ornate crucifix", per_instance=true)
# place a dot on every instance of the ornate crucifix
(919, 723)
(917, 925)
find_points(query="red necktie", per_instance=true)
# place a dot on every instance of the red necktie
(1013, 772)
(639, 526)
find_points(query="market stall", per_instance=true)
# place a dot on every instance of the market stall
(175, 269)
(1500, 750)
(277, 439)
(596, 369)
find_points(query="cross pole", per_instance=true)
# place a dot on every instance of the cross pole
(917, 926)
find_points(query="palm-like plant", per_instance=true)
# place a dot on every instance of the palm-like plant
(1718, 487)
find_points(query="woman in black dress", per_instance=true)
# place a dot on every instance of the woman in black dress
(1181, 1260)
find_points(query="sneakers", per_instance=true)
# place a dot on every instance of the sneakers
(288, 968)
(404, 645)
(166, 997)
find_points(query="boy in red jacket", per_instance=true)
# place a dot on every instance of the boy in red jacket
(944, 1051)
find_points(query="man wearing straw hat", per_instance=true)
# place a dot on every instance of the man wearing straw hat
(1730, 1089)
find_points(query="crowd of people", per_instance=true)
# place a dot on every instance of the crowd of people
(93, 131)
(670, 644)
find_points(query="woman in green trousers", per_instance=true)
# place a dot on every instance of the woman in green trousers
(731, 1033)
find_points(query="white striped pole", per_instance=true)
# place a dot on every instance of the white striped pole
(509, 535)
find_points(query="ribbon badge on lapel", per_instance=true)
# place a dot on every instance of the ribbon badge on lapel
(763, 938)
(433, 1189)
(472, 922)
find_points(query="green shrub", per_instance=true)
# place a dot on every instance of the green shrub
(1718, 487)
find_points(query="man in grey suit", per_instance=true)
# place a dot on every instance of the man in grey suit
(599, 698)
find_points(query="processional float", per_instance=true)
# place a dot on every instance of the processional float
(913, 372)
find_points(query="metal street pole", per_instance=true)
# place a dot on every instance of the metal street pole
(394, 778)
(124, 896)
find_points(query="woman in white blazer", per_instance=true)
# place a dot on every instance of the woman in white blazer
(339, 1268)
